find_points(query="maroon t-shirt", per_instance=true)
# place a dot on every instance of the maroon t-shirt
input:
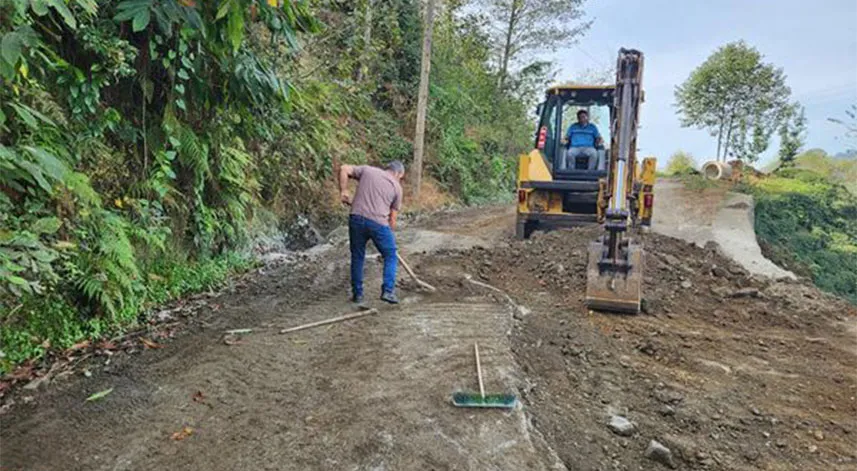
(378, 191)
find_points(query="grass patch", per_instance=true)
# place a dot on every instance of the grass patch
(697, 182)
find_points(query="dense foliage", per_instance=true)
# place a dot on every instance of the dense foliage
(125, 128)
(808, 223)
(141, 139)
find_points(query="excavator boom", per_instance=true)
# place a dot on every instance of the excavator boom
(615, 264)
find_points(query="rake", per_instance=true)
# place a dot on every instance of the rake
(501, 401)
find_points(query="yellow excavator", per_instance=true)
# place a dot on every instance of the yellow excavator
(557, 188)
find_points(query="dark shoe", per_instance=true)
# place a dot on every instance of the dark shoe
(357, 300)
(390, 298)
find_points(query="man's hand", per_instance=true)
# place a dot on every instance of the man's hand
(345, 173)
(393, 216)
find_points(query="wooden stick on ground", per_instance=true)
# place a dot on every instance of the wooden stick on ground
(414, 276)
(330, 321)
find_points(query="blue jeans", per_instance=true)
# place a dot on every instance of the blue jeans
(360, 231)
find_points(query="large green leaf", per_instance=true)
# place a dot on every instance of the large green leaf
(141, 20)
(29, 115)
(26, 116)
(40, 7)
(235, 26)
(223, 9)
(44, 256)
(129, 9)
(50, 164)
(48, 225)
(36, 173)
(17, 280)
(65, 13)
(11, 46)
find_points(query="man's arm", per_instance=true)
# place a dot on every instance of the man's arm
(345, 172)
(567, 139)
(395, 206)
(598, 140)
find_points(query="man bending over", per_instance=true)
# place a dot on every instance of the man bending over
(374, 208)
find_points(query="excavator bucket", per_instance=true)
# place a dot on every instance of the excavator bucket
(611, 289)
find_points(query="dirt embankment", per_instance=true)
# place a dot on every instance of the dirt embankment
(728, 370)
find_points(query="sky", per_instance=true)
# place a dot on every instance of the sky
(815, 42)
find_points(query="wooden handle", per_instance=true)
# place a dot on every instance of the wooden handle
(330, 321)
(413, 275)
(407, 267)
(479, 370)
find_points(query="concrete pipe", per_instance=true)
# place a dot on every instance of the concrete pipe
(716, 170)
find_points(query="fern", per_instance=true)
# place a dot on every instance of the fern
(107, 273)
(192, 151)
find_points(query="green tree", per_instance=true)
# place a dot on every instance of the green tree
(737, 97)
(792, 134)
(475, 131)
(521, 28)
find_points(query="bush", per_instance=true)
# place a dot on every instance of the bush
(681, 163)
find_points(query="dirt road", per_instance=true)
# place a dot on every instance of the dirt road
(726, 370)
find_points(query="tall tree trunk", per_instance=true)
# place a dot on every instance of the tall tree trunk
(726, 142)
(422, 102)
(367, 40)
(720, 138)
(507, 46)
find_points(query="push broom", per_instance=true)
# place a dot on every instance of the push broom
(501, 401)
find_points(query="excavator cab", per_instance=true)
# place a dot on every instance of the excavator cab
(554, 189)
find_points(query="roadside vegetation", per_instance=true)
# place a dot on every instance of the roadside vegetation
(141, 141)
(806, 221)
(806, 208)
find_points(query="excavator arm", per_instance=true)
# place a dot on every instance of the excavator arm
(615, 265)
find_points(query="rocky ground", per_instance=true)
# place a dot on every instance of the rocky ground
(723, 370)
